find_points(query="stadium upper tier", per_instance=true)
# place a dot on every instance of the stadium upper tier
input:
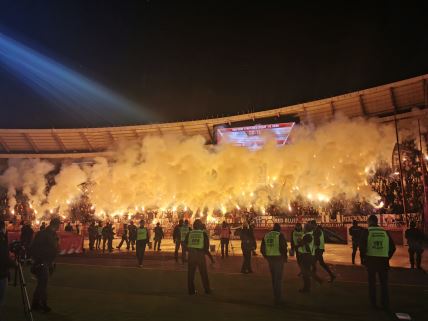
(382, 103)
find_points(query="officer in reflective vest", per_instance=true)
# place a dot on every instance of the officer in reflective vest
(184, 230)
(319, 250)
(306, 248)
(274, 250)
(296, 237)
(198, 244)
(143, 237)
(377, 248)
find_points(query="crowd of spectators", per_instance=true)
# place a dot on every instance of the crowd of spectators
(386, 181)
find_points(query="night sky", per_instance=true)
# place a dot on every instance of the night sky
(186, 61)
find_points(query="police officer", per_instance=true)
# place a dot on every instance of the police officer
(176, 236)
(105, 236)
(198, 244)
(296, 237)
(132, 234)
(44, 250)
(253, 250)
(319, 250)
(159, 235)
(355, 232)
(247, 246)
(377, 247)
(274, 249)
(68, 227)
(224, 239)
(110, 236)
(92, 234)
(99, 235)
(306, 248)
(26, 237)
(143, 237)
(184, 230)
(124, 237)
(415, 239)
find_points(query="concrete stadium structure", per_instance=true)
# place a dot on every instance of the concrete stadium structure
(407, 100)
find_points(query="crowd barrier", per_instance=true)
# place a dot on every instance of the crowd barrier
(69, 243)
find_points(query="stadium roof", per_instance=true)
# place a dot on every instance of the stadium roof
(382, 102)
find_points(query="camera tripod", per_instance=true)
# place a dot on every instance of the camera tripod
(22, 284)
(230, 245)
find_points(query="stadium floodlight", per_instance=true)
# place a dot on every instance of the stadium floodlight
(65, 87)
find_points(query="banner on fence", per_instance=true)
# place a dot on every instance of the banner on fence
(69, 243)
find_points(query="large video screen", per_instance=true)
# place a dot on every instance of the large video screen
(254, 137)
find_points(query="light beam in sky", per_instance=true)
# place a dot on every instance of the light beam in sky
(66, 88)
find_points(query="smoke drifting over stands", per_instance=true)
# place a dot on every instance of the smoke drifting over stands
(343, 166)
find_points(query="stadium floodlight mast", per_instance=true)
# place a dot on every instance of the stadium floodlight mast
(64, 87)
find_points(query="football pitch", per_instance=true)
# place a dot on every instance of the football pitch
(104, 292)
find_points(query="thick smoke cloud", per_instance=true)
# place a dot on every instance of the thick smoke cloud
(173, 172)
(29, 176)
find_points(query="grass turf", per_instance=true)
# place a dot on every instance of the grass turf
(125, 294)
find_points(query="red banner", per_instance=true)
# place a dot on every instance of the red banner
(69, 243)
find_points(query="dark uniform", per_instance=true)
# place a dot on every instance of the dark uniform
(248, 245)
(198, 245)
(176, 237)
(99, 236)
(92, 234)
(44, 250)
(253, 251)
(26, 237)
(319, 251)
(415, 239)
(132, 235)
(124, 237)
(274, 249)
(377, 247)
(105, 236)
(142, 240)
(158, 237)
(355, 232)
(68, 227)
(110, 236)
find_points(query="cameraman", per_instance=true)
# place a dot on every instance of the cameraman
(5, 262)
(43, 252)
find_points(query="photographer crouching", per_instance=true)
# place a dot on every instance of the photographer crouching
(44, 250)
(5, 263)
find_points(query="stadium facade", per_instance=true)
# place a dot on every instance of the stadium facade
(407, 100)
